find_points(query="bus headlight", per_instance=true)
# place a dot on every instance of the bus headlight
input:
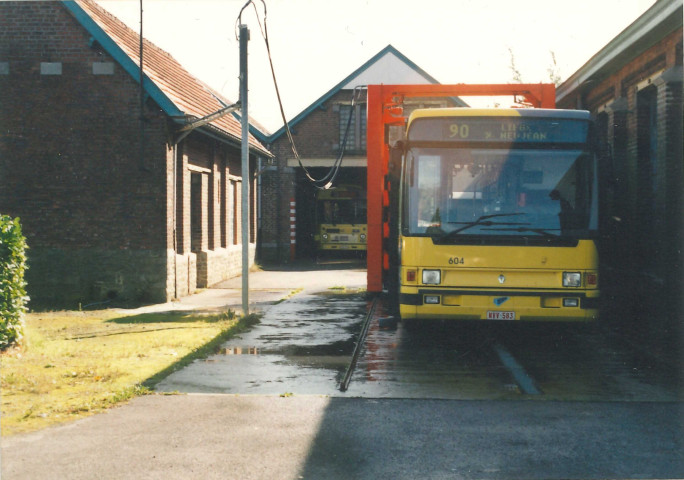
(325, 236)
(363, 236)
(572, 279)
(431, 277)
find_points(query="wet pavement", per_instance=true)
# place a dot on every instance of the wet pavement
(508, 362)
(303, 346)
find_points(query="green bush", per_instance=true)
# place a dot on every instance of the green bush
(12, 285)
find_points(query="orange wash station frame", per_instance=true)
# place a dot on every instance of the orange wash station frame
(384, 110)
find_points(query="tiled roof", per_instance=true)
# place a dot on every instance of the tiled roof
(176, 91)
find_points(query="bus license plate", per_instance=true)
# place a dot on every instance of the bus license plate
(500, 315)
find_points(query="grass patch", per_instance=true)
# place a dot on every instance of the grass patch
(288, 296)
(344, 291)
(256, 267)
(74, 364)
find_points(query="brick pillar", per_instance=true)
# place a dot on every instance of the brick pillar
(182, 203)
(225, 204)
(214, 214)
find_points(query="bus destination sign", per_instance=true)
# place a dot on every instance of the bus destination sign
(498, 129)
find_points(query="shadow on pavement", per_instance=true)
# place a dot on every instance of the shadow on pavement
(333, 263)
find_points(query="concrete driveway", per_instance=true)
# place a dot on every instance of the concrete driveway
(268, 286)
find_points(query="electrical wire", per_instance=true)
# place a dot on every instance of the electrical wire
(328, 179)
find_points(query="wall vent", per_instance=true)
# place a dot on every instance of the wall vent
(50, 68)
(103, 68)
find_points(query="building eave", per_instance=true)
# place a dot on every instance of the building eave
(216, 133)
(664, 17)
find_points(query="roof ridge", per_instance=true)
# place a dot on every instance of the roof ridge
(146, 42)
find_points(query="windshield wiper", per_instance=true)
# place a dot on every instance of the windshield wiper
(483, 220)
(540, 231)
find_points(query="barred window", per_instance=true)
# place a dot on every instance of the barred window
(356, 138)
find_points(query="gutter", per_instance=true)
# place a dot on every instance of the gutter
(215, 133)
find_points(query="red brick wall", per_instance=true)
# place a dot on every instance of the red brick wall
(72, 167)
(97, 210)
(642, 252)
(317, 134)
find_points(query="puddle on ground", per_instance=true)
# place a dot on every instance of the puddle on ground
(302, 346)
(238, 351)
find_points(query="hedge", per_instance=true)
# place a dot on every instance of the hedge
(13, 296)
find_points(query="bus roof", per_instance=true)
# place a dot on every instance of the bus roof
(342, 192)
(499, 112)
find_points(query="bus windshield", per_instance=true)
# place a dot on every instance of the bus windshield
(342, 211)
(454, 194)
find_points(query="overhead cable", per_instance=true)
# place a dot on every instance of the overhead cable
(327, 180)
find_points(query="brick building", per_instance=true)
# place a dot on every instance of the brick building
(118, 198)
(633, 86)
(318, 132)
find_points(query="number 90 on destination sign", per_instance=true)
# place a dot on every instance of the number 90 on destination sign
(459, 131)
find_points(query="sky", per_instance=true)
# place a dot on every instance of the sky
(315, 44)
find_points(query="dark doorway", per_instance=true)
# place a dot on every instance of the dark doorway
(306, 206)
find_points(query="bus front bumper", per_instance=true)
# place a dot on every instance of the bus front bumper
(343, 246)
(507, 305)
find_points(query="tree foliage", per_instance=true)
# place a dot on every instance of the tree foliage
(517, 76)
(13, 296)
(552, 70)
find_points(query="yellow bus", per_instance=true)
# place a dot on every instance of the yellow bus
(341, 218)
(497, 216)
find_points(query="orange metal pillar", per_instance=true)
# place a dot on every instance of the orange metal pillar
(375, 142)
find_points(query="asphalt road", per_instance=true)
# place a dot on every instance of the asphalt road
(315, 437)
